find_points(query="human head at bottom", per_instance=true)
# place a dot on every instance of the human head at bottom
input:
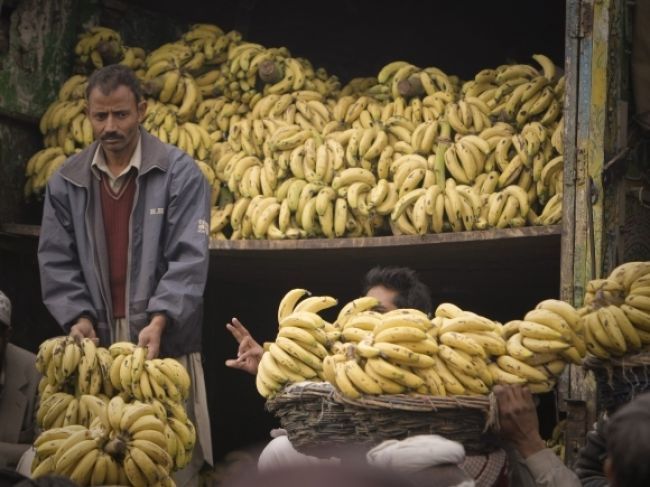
(628, 444)
(397, 287)
(47, 481)
(426, 460)
(352, 474)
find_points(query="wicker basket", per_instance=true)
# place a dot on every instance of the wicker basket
(315, 415)
(619, 380)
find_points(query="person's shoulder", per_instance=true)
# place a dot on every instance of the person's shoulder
(20, 356)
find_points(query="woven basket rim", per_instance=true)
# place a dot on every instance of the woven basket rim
(306, 391)
(641, 359)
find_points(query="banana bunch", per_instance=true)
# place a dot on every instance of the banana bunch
(365, 86)
(168, 443)
(40, 168)
(384, 354)
(509, 207)
(401, 77)
(136, 376)
(209, 43)
(305, 108)
(74, 452)
(540, 346)
(98, 47)
(468, 116)
(551, 213)
(548, 337)
(517, 92)
(65, 124)
(617, 311)
(126, 444)
(301, 343)
(64, 362)
(468, 342)
(293, 74)
(66, 130)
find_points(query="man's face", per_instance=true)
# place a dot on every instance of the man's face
(115, 119)
(385, 296)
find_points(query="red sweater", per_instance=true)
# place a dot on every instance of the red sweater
(116, 210)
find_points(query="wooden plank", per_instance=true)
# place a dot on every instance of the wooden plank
(570, 127)
(384, 242)
(20, 229)
(583, 106)
(596, 153)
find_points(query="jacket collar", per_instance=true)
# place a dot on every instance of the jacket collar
(78, 170)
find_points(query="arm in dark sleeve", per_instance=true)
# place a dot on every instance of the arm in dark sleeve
(180, 290)
(589, 465)
(63, 286)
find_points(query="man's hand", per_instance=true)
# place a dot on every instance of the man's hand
(518, 419)
(249, 352)
(150, 335)
(83, 328)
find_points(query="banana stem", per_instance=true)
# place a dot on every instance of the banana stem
(410, 87)
(110, 51)
(444, 141)
(152, 87)
(116, 447)
(270, 72)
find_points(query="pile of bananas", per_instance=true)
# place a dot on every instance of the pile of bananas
(117, 394)
(126, 445)
(616, 312)
(291, 154)
(300, 346)
(403, 351)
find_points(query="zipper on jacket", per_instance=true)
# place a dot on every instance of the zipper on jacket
(127, 298)
(89, 232)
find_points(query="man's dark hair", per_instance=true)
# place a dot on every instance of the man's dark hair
(628, 443)
(411, 292)
(110, 77)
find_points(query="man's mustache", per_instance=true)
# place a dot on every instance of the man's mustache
(112, 136)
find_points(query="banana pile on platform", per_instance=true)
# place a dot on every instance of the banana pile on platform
(301, 343)
(540, 345)
(126, 445)
(616, 312)
(412, 151)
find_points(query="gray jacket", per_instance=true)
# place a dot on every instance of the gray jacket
(168, 246)
(17, 405)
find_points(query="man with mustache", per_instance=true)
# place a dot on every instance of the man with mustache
(123, 249)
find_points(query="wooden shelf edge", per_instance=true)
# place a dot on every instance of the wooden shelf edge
(16, 229)
(20, 230)
(387, 241)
